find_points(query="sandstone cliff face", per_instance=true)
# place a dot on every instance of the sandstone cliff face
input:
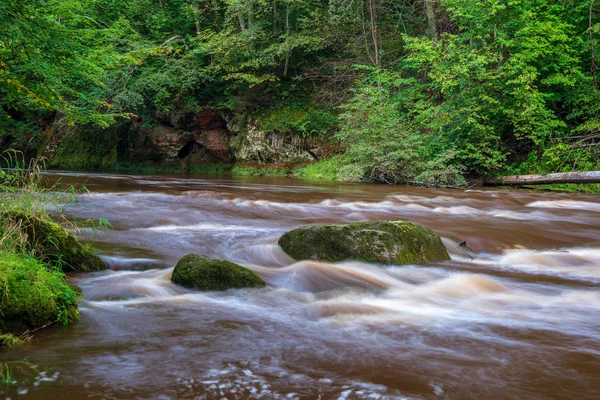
(258, 146)
(178, 139)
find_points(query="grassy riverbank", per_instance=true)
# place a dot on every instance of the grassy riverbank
(34, 291)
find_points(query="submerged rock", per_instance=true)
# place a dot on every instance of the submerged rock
(204, 273)
(382, 242)
(53, 244)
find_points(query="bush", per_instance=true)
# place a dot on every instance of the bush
(383, 147)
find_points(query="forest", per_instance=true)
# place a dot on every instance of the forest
(432, 92)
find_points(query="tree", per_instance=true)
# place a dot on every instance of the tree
(52, 60)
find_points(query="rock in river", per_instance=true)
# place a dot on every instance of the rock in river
(382, 242)
(205, 273)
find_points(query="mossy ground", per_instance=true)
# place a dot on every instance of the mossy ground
(383, 242)
(204, 273)
(32, 295)
(89, 149)
(54, 245)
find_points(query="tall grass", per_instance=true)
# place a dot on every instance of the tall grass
(33, 293)
(25, 189)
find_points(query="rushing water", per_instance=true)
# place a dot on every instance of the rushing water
(515, 317)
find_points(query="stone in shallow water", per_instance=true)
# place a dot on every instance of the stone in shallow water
(204, 273)
(382, 242)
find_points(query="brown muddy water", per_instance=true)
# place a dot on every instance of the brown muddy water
(516, 318)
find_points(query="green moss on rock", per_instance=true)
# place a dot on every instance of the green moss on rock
(31, 295)
(382, 242)
(53, 244)
(204, 273)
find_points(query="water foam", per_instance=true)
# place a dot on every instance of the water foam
(566, 204)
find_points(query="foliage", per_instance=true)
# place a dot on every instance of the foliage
(424, 92)
(384, 147)
(52, 57)
(505, 83)
(298, 121)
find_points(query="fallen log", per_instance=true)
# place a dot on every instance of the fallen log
(562, 177)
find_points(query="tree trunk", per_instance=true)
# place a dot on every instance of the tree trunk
(287, 34)
(251, 16)
(373, 13)
(274, 16)
(430, 11)
(242, 22)
(565, 177)
(197, 14)
(594, 67)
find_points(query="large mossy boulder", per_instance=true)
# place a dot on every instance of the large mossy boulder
(204, 273)
(32, 295)
(382, 242)
(53, 244)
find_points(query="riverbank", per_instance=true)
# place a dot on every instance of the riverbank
(328, 170)
(35, 253)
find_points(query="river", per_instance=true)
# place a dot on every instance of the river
(516, 317)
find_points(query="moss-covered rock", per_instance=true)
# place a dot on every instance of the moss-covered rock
(382, 242)
(205, 273)
(53, 244)
(32, 295)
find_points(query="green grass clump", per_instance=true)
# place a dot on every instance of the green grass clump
(331, 169)
(205, 169)
(587, 188)
(260, 170)
(9, 340)
(32, 295)
(144, 169)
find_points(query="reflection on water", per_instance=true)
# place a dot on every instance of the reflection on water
(517, 315)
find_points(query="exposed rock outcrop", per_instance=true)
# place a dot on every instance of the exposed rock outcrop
(174, 139)
(255, 145)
